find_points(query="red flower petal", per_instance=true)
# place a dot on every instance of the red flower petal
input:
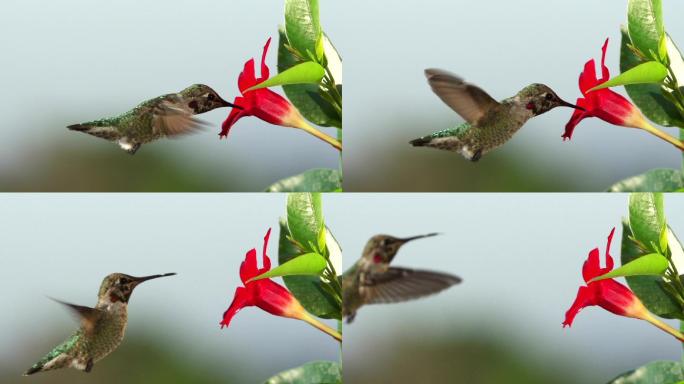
(585, 298)
(242, 298)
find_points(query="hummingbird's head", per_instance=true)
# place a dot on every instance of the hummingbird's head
(201, 98)
(118, 287)
(539, 98)
(383, 248)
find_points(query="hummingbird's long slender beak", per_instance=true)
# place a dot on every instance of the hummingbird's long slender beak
(407, 239)
(564, 103)
(139, 280)
(227, 104)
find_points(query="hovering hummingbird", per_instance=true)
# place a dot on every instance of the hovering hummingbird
(371, 280)
(102, 328)
(164, 116)
(489, 124)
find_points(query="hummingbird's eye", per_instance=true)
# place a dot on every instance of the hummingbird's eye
(211, 97)
(548, 96)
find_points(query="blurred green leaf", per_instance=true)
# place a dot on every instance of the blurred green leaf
(313, 180)
(648, 97)
(646, 218)
(653, 264)
(305, 219)
(649, 289)
(645, 25)
(644, 73)
(655, 180)
(306, 97)
(656, 372)
(307, 289)
(303, 73)
(302, 25)
(314, 372)
(311, 264)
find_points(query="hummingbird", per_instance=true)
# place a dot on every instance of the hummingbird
(102, 327)
(488, 123)
(371, 280)
(168, 115)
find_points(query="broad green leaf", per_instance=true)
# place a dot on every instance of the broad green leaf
(305, 219)
(307, 289)
(655, 180)
(302, 25)
(676, 59)
(649, 289)
(334, 251)
(655, 372)
(313, 180)
(648, 97)
(306, 97)
(645, 25)
(646, 218)
(677, 252)
(648, 72)
(315, 372)
(311, 264)
(303, 73)
(653, 264)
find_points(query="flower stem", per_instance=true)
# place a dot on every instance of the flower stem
(653, 320)
(315, 132)
(662, 135)
(322, 327)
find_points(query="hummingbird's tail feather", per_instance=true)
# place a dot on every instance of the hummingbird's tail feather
(106, 132)
(421, 141)
(33, 370)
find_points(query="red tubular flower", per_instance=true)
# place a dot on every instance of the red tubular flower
(603, 103)
(608, 294)
(267, 294)
(262, 103)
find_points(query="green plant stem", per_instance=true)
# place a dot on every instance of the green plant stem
(315, 132)
(658, 323)
(322, 327)
(662, 135)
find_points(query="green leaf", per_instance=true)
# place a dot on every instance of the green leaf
(305, 219)
(656, 372)
(307, 289)
(653, 264)
(313, 180)
(314, 372)
(302, 25)
(648, 97)
(306, 97)
(645, 25)
(649, 289)
(304, 73)
(311, 264)
(648, 72)
(646, 218)
(655, 180)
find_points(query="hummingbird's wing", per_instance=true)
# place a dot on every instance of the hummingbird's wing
(402, 284)
(88, 316)
(468, 100)
(172, 120)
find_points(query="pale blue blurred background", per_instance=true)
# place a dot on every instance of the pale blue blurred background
(76, 60)
(520, 257)
(501, 46)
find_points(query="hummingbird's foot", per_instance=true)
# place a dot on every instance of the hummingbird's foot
(89, 365)
(476, 156)
(350, 318)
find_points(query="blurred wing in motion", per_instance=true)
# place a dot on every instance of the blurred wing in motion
(402, 284)
(468, 100)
